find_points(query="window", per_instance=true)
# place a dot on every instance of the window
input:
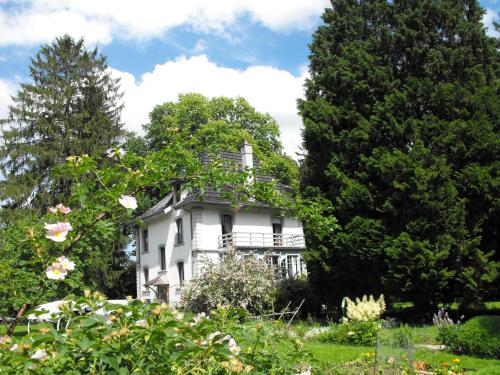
(273, 262)
(277, 231)
(180, 270)
(177, 192)
(293, 266)
(227, 229)
(179, 235)
(146, 275)
(145, 240)
(163, 258)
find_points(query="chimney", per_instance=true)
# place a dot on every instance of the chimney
(246, 155)
(247, 160)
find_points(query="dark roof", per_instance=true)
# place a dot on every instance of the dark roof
(158, 207)
(230, 160)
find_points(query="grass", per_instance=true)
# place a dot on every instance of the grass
(490, 305)
(334, 354)
(22, 329)
(425, 335)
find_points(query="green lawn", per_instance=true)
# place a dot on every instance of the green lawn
(490, 305)
(22, 329)
(332, 353)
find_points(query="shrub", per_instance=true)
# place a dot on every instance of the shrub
(151, 339)
(354, 333)
(479, 337)
(364, 309)
(293, 291)
(237, 281)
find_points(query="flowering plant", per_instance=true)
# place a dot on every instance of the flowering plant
(133, 338)
(363, 310)
(239, 281)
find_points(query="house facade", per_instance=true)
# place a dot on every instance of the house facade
(181, 230)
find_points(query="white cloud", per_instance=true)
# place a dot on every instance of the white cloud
(488, 19)
(7, 89)
(266, 88)
(35, 21)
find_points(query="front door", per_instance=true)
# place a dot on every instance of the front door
(163, 293)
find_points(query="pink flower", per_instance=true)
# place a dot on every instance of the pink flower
(53, 209)
(128, 201)
(64, 210)
(233, 348)
(56, 272)
(66, 263)
(57, 232)
(40, 355)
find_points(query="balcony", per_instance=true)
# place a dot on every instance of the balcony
(261, 240)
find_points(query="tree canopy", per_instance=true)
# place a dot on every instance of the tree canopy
(222, 123)
(70, 107)
(402, 135)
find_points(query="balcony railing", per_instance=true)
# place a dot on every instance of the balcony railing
(261, 240)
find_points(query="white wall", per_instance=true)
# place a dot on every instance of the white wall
(162, 230)
(206, 231)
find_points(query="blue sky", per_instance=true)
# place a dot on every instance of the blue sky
(251, 48)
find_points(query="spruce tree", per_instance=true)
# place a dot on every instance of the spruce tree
(71, 106)
(402, 130)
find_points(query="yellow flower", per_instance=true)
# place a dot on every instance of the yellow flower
(456, 360)
(157, 311)
(44, 330)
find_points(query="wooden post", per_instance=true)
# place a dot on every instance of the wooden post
(295, 313)
(377, 354)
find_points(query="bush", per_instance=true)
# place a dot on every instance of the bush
(237, 281)
(151, 339)
(479, 337)
(295, 290)
(354, 333)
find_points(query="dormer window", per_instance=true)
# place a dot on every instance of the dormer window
(177, 192)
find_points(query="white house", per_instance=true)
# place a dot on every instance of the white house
(180, 229)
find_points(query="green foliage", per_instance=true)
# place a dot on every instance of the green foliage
(98, 218)
(404, 336)
(401, 136)
(224, 124)
(352, 333)
(71, 107)
(478, 337)
(294, 291)
(238, 281)
(151, 339)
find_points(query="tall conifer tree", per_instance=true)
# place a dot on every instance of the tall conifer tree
(70, 107)
(402, 134)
